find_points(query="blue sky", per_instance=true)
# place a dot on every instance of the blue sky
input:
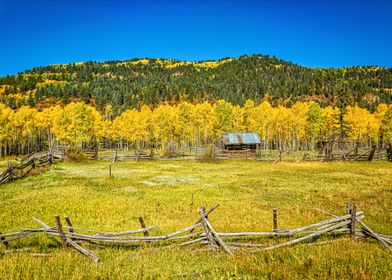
(310, 33)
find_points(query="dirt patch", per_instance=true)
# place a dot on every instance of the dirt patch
(169, 180)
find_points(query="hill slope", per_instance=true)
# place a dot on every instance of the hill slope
(125, 84)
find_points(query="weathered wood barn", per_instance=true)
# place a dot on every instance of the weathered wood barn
(241, 140)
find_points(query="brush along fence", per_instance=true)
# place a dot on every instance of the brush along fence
(203, 233)
(15, 172)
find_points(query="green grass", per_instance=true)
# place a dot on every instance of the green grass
(168, 193)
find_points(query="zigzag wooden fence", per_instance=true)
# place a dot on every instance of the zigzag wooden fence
(15, 172)
(203, 233)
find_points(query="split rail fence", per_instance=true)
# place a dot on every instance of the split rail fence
(203, 233)
(15, 172)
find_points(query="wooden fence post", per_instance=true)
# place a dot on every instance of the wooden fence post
(141, 221)
(110, 171)
(372, 152)
(61, 232)
(69, 223)
(275, 219)
(349, 207)
(115, 157)
(353, 221)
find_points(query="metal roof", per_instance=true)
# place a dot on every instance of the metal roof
(238, 138)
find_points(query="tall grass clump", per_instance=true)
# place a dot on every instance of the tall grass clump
(75, 154)
(210, 155)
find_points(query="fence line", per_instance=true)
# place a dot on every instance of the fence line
(15, 172)
(350, 224)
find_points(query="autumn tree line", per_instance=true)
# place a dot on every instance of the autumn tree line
(303, 126)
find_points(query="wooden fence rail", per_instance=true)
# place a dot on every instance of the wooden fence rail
(16, 172)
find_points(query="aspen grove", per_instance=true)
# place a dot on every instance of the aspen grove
(303, 126)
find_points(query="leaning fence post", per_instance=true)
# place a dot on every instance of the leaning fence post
(275, 219)
(141, 221)
(69, 223)
(61, 232)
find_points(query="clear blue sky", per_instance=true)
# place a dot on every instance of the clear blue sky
(311, 33)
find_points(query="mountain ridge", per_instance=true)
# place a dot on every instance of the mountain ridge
(129, 83)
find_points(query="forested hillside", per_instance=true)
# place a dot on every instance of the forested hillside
(130, 84)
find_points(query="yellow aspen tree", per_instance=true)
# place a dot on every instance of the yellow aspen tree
(238, 119)
(6, 131)
(25, 128)
(314, 124)
(166, 126)
(330, 123)
(224, 117)
(45, 121)
(204, 119)
(360, 124)
(186, 122)
(263, 117)
(249, 121)
(299, 124)
(281, 126)
(379, 115)
(75, 124)
(386, 126)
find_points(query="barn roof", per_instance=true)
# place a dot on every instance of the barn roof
(238, 138)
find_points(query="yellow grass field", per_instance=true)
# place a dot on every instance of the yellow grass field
(168, 194)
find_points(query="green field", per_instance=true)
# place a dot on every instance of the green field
(168, 193)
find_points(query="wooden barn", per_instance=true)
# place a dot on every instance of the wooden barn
(241, 140)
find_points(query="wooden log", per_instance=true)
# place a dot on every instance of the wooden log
(45, 226)
(238, 244)
(5, 242)
(206, 229)
(271, 234)
(325, 212)
(20, 236)
(206, 214)
(213, 232)
(71, 231)
(218, 239)
(373, 234)
(186, 236)
(327, 222)
(83, 250)
(361, 155)
(11, 251)
(134, 231)
(132, 239)
(193, 241)
(11, 234)
(61, 232)
(45, 229)
(314, 234)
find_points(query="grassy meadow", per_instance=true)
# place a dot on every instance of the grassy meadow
(168, 193)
